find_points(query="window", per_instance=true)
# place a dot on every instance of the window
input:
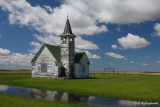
(64, 40)
(44, 67)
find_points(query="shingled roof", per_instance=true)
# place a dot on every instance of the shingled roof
(78, 56)
(67, 30)
(55, 51)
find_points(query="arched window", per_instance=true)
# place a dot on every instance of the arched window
(44, 67)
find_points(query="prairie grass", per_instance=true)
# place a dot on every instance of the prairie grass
(120, 86)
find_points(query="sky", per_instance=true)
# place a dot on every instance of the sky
(124, 34)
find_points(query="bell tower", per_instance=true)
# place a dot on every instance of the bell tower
(68, 49)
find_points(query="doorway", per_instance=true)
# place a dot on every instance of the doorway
(63, 72)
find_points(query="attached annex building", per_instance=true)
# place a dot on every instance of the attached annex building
(54, 61)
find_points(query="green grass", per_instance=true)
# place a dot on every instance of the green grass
(132, 87)
(11, 101)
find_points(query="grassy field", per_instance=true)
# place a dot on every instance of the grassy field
(10, 101)
(133, 87)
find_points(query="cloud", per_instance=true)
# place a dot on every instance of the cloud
(158, 62)
(118, 11)
(131, 62)
(0, 35)
(157, 30)
(89, 54)
(79, 42)
(16, 59)
(50, 20)
(4, 60)
(84, 15)
(144, 64)
(94, 56)
(85, 44)
(55, 40)
(4, 51)
(114, 46)
(133, 41)
(115, 55)
(36, 47)
(49, 39)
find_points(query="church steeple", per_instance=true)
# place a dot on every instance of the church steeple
(67, 29)
(67, 50)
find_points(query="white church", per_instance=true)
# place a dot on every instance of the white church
(56, 62)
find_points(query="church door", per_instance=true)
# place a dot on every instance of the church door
(63, 72)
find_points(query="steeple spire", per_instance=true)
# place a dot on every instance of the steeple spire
(67, 29)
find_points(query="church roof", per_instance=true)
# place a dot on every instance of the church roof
(78, 56)
(55, 51)
(67, 30)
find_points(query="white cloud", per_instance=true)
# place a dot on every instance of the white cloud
(4, 60)
(84, 44)
(20, 59)
(36, 46)
(133, 41)
(115, 55)
(118, 11)
(84, 16)
(89, 54)
(94, 56)
(157, 30)
(50, 20)
(158, 62)
(144, 64)
(4, 51)
(114, 46)
(55, 40)
(0, 35)
(16, 59)
(131, 62)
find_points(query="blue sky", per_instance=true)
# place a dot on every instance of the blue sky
(123, 34)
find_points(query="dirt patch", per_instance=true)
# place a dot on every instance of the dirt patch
(137, 73)
(17, 71)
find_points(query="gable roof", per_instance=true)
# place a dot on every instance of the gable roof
(79, 55)
(55, 51)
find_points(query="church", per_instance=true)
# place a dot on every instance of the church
(61, 61)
